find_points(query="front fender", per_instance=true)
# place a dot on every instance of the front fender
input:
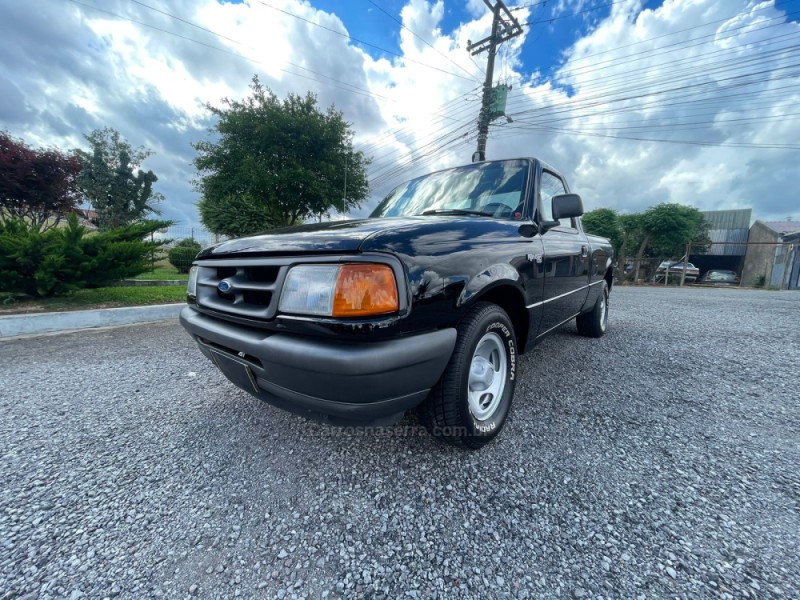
(490, 277)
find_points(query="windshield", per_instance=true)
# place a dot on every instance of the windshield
(490, 189)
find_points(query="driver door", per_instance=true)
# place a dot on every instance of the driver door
(566, 255)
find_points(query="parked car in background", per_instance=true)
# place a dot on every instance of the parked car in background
(720, 277)
(674, 270)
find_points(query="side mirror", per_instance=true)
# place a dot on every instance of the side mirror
(567, 206)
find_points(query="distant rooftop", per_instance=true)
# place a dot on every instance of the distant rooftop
(728, 219)
(783, 226)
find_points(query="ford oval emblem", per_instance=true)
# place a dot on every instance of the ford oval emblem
(224, 286)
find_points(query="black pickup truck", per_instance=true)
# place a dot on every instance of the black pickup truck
(427, 304)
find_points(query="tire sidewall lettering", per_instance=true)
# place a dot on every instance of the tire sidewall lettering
(509, 341)
(493, 424)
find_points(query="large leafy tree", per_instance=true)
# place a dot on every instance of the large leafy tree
(671, 226)
(604, 222)
(665, 230)
(37, 187)
(272, 163)
(113, 182)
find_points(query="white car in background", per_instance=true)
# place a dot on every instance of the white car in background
(674, 270)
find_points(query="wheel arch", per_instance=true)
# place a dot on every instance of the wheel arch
(509, 297)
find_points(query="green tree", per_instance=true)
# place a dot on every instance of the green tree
(604, 222)
(672, 226)
(274, 163)
(666, 229)
(632, 233)
(183, 254)
(113, 182)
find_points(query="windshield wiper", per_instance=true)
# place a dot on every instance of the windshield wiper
(456, 211)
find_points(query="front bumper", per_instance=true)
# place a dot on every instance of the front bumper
(344, 383)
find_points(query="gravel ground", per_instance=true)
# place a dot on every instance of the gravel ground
(659, 461)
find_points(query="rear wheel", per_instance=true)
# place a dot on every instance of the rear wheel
(470, 403)
(594, 322)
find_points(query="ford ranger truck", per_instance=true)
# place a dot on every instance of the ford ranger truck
(425, 305)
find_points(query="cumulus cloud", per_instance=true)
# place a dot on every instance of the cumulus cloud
(697, 72)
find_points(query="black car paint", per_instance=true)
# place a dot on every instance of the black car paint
(372, 370)
(450, 262)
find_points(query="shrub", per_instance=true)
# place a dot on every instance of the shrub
(182, 255)
(58, 261)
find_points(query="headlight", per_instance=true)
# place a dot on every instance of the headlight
(191, 288)
(308, 289)
(351, 290)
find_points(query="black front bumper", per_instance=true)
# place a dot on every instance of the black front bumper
(344, 383)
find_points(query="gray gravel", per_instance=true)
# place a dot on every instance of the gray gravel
(659, 461)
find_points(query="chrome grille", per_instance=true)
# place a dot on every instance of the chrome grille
(251, 288)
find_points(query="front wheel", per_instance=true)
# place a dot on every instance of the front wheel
(470, 403)
(594, 322)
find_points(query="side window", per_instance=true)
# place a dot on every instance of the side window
(551, 186)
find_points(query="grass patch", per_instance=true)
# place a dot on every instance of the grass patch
(107, 297)
(162, 273)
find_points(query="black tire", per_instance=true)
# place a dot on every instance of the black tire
(594, 323)
(486, 342)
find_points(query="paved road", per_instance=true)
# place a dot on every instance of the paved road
(661, 460)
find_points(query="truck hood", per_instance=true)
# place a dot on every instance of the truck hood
(333, 237)
(406, 235)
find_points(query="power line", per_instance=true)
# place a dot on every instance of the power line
(722, 20)
(738, 81)
(349, 87)
(602, 98)
(667, 141)
(423, 40)
(570, 15)
(682, 44)
(656, 87)
(176, 17)
(441, 116)
(679, 124)
(349, 37)
(615, 62)
(529, 5)
(186, 38)
(237, 42)
(671, 64)
(741, 107)
(383, 139)
(453, 133)
(604, 94)
(355, 90)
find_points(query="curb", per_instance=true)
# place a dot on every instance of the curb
(52, 322)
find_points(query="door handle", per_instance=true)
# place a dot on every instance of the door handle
(584, 251)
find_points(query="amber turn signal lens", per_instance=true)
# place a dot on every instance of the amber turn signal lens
(365, 289)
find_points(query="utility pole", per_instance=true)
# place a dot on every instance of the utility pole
(504, 27)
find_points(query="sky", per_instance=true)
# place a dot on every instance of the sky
(635, 102)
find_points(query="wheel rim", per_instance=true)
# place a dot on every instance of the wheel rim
(603, 311)
(487, 376)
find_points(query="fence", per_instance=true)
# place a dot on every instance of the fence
(176, 233)
(648, 270)
(760, 264)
